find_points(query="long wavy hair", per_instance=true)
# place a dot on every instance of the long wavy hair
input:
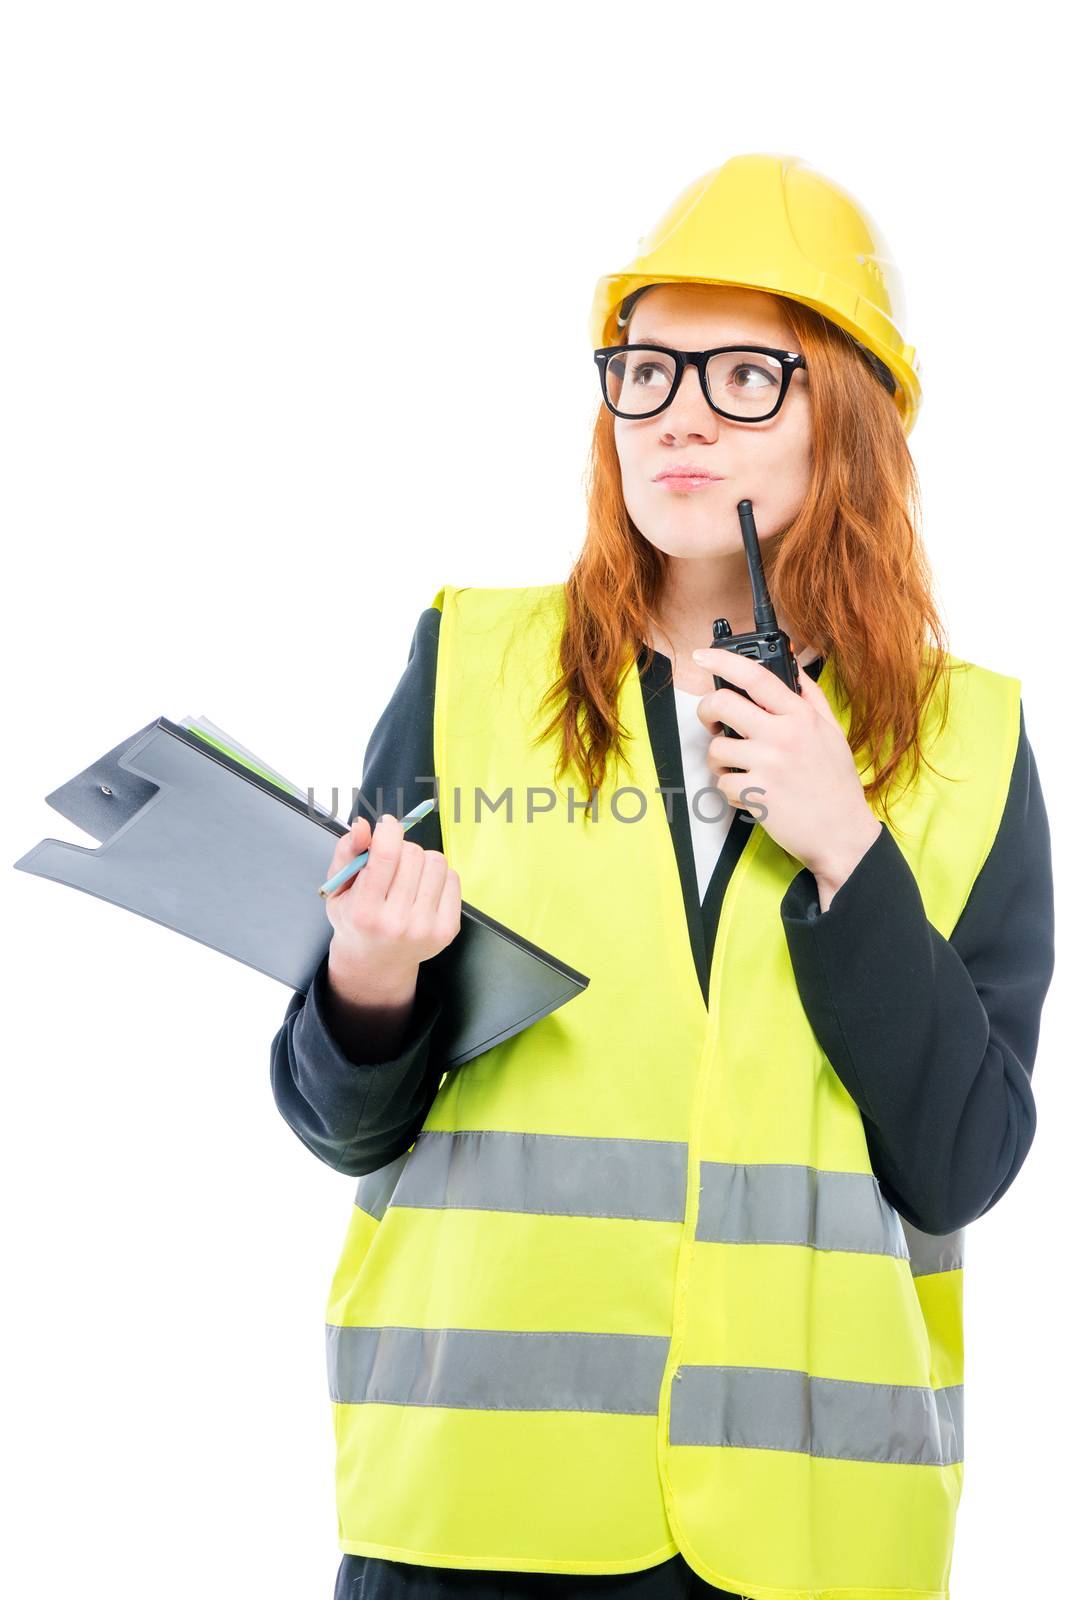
(850, 572)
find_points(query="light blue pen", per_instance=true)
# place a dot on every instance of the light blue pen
(361, 860)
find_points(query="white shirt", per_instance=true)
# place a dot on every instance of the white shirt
(712, 816)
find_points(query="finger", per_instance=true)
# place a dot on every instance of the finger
(734, 752)
(714, 724)
(349, 845)
(731, 785)
(449, 901)
(706, 716)
(385, 848)
(716, 765)
(814, 696)
(404, 887)
(433, 869)
(439, 890)
(733, 710)
(432, 884)
(754, 677)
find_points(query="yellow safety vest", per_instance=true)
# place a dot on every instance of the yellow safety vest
(635, 1288)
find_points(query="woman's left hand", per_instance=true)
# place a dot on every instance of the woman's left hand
(797, 767)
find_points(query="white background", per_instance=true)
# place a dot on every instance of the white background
(219, 219)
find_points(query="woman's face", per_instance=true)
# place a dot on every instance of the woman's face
(768, 463)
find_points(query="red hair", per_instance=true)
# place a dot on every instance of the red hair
(850, 572)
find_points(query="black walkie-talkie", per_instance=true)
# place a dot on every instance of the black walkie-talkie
(767, 643)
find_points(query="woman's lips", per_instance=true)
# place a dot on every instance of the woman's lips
(686, 483)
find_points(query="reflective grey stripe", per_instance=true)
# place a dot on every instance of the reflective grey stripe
(766, 1408)
(560, 1174)
(933, 1252)
(778, 1203)
(645, 1180)
(493, 1371)
(375, 1189)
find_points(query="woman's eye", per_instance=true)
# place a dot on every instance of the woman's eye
(748, 368)
(646, 373)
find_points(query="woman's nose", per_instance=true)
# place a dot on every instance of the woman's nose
(690, 411)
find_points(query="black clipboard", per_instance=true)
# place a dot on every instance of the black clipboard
(196, 841)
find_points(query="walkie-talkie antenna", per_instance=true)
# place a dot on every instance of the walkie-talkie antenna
(763, 610)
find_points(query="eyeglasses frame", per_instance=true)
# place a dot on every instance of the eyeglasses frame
(791, 360)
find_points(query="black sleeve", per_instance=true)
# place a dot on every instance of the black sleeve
(936, 1039)
(357, 1115)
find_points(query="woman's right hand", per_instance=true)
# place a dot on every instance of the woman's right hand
(400, 909)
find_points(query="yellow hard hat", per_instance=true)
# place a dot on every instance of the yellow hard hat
(773, 222)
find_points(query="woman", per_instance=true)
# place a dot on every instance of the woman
(665, 1296)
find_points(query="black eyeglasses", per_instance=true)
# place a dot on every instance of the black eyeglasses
(744, 383)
